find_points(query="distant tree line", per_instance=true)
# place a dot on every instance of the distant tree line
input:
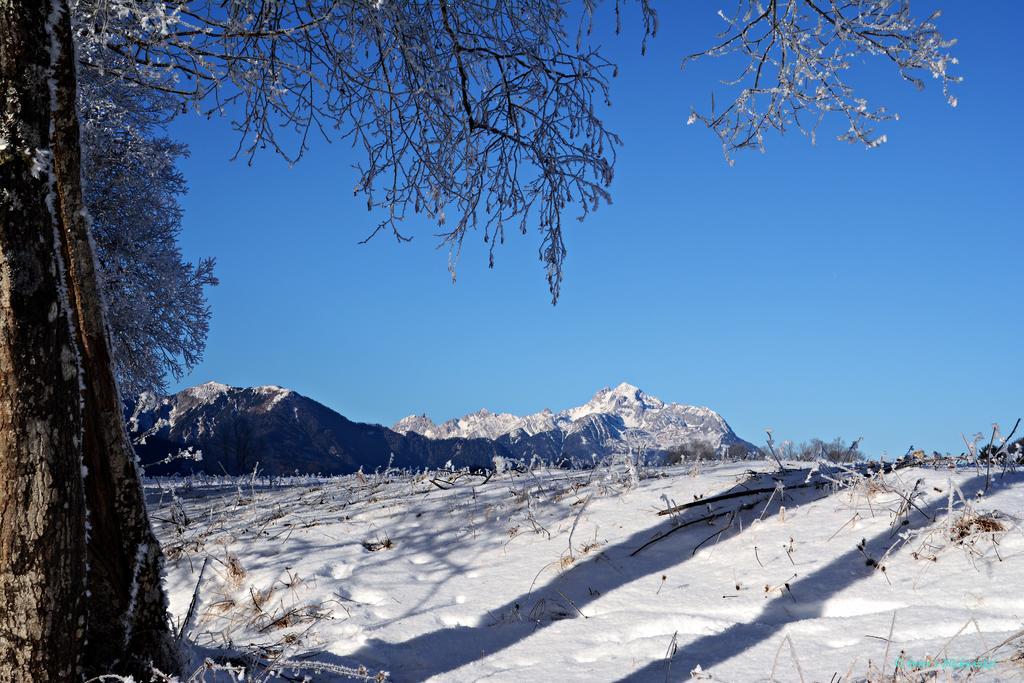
(702, 450)
(836, 450)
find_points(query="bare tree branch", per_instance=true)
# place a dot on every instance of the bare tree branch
(795, 55)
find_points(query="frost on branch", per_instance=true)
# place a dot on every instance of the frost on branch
(155, 301)
(794, 57)
(486, 116)
(475, 115)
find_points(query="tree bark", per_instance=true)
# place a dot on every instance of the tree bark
(127, 628)
(42, 511)
(59, 405)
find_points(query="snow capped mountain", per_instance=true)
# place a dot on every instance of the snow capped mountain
(614, 420)
(282, 432)
(191, 413)
(625, 400)
(482, 424)
(421, 424)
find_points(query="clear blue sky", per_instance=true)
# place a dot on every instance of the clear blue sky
(819, 290)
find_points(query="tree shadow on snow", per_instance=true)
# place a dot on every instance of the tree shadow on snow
(571, 592)
(809, 595)
(568, 595)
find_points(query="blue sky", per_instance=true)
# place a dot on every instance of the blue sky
(819, 290)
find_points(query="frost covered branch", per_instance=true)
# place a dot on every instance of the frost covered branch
(795, 55)
(486, 111)
(486, 116)
(155, 300)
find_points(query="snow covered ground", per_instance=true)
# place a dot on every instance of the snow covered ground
(536, 576)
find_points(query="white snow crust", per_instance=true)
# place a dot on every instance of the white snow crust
(537, 576)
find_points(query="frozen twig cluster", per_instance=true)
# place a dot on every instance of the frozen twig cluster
(488, 111)
(485, 116)
(794, 58)
(156, 308)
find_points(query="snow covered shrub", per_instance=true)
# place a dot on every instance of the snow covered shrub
(970, 524)
(542, 611)
(964, 526)
(380, 543)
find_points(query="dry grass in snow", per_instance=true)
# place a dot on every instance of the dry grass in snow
(747, 574)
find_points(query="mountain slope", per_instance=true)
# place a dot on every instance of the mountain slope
(615, 420)
(283, 432)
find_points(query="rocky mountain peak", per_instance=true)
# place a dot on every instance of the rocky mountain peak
(421, 424)
(616, 419)
(207, 391)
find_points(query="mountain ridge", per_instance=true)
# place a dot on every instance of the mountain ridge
(616, 419)
(283, 432)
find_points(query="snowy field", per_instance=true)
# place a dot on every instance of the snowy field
(536, 576)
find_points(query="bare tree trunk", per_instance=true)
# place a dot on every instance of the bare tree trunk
(128, 631)
(59, 404)
(42, 512)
